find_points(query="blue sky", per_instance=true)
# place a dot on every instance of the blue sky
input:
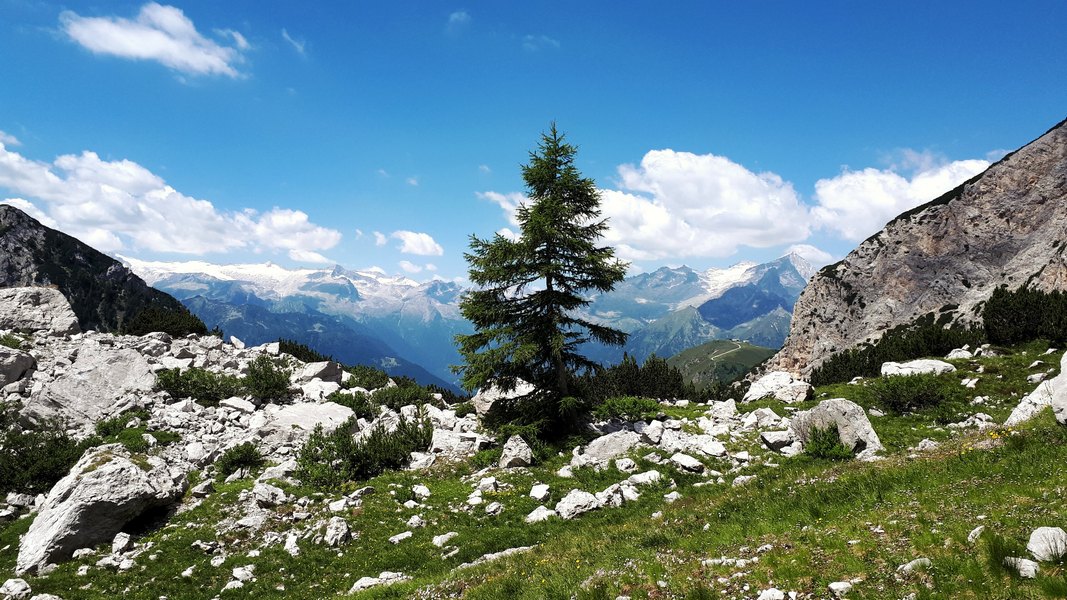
(385, 133)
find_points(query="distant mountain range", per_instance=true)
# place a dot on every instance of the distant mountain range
(407, 327)
(671, 309)
(358, 317)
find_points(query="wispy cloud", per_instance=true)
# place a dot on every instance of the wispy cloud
(458, 20)
(484, 169)
(533, 43)
(412, 181)
(158, 33)
(299, 45)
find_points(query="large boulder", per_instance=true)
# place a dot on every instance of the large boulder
(14, 365)
(853, 427)
(607, 447)
(37, 309)
(484, 399)
(102, 381)
(292, 424)
(780, 385)
(106, 489)
(1051, 392)
(457, 444)
(917, 367)
(1048, 544)
(326, 370)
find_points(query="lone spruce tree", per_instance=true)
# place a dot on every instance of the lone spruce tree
(529, 289)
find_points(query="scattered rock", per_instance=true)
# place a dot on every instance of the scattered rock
(444, 538)
(396, 539)
(575, 503)
(484, 399)
(918, 563)
(15, 589)
(337, 532)
(384, 578)
(1048, 544)
(687, 463)
(517, 453)
(540, 492)
(840, 588)
(917, 367)
(1026, 568)
(540, 514)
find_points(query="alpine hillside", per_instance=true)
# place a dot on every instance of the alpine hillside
(1004, 227)
(104, 294)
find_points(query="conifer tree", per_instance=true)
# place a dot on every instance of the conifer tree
(529, 289)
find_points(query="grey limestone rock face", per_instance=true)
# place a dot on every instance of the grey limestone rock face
(1003, 227)
(106, 489)
(36, 309)
(14, 365)
(853, 427)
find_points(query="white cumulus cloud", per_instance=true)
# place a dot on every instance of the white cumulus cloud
(116, 205)
(856, 204)
(678, 204)
(159, 33)
(6, 139)
(421, 244)
(380, 239)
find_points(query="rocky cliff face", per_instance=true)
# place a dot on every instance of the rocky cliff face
(1007, 226)
(102, 292)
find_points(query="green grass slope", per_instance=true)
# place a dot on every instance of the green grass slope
(718, 360)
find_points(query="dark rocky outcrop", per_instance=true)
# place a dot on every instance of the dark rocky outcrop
(1006, 226)
(103, 293)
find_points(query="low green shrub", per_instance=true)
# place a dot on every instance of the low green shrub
(11, 341)
(825, 443)
(203, 386)
(903, 393)
(464, 408)
(301, 351)
(359, 402)
(367, 378)
(627, 408)
(487, 458)
(329, 460)
(242, 456)
(107, 428)
(177, 322)
(398, 396)
(266, 380)
(32, 461)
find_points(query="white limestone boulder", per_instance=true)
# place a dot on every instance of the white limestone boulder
(780, 385)
(107, 488)
(291, 424)
(853, 427)
(575, 503)
(517, 453)
(14, 365)
(484, 399)
(101, 382)
(916, 367)
(37, 309)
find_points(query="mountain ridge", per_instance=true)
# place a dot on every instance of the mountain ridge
(1003, 227)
